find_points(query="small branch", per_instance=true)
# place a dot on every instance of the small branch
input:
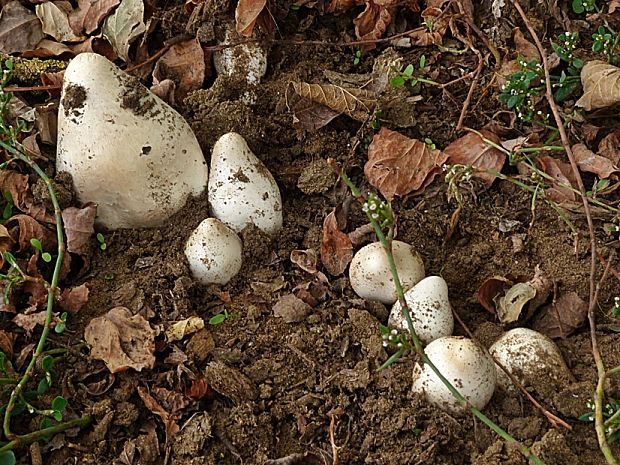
(24, 440)
(467, 101)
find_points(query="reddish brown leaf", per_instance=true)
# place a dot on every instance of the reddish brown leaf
(198, 389)
(6, 242)
(165, 90)
(472, 150)
(20, 29)
(48, 48)
(399, 166)
(307, 115)
(609, 147)
(291, 309)
(121, 340)
(372, 23)
(246, 14)
(183, 64)
(79, 227)
(336, 6)
(422, 36)
(28, 228)
(490, 289)
(524, 47)
(90, 14)
(336, 247)
(170, 425)
(563, 317)
(592, 163)
(29, 321)
(305, 259)
(73, 299)
(172, 401)
(562, 174)
(355, 103)
(6, 343)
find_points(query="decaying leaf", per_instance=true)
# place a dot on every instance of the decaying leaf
(6, 343)
(89, 14)
(230, 382)
(125, 26)
(592, 163)
(356, 103)
(563, 317)
(72, 300)
(291, 309)
(55, 21)
(169, 423)
(28, 321)
(17, 185)
(601, 85)
(472, 150)
(609, 147)
(440, 20)
(183, 328)
(509, 306)
(490, 289)
(399, 166)
(121, 340)
(246, 14)
(184, 64)
(562, 173)
(26, 228)
(20, 29)
(79, 228)
(336, 247)
(524, 47)
(307, 115)
(372, 23)
(305, 259)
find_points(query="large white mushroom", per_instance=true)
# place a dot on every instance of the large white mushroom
(127, 150)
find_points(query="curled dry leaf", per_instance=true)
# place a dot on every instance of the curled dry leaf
(471, 149)
(524, 47)
(336, 247)
(20, 29)
(246, 14)
(372, 23)
(291, 309)
(169, 423)
(183, 328)
(72, 300)
(563, 317)
(29, 228)
(609, 147)
(125, 26)
(55, 21)
(6, 343)
(184, 64)
(422, 36)
(562, 173)
(307, 115)
(79, 227)
(89, 14)
(592, 163)
(305, 259)
(356, 103)
(28, 321)
(121, 340)
(601, 85)
(398, 165)
(336, 6)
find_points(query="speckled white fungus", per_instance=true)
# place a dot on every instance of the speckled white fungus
(370, 274)
(530, 357)
(430, 309)
(127, 150)
(214, 252)
(241, 189)
(468, 367)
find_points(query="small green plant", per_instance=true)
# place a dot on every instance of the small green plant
(457, 176)
(522, 88)
(616, 308)
(357, 58)
(428, 141)
(581, 6)
(7, 211)
(101, 240)
(36, 243)
(61, 325)
(598, 186)
(407, 76)
(219, 318)
(375, 124)
(606, 41)
(611, 414)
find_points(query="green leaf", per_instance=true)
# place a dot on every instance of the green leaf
(578, 63)
(391, 360)
(217, 319)
(408, 71)
(602, 184)
(57, 415)
(7, 458)
(513, 100)
(47, 363)
(59, 404)
(46, 422)
(578, 6)
(46, 257)
(384, 329)
(42, 387)
(615, 329)
(397, 81)
(36, 243)
(597, 46)
(586, 417)
(422, 61)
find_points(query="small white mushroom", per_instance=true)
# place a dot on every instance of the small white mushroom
(430, 309)
(214, 252)
(126, 150)
(241, 189)
(468, 367)
(531, 357)
(370, 273)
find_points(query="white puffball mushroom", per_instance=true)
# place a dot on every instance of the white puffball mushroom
(430, 309)
(214, 252)
(531, 357)
(241, 189)
(370, 273)
(462, 362)
(126, 150)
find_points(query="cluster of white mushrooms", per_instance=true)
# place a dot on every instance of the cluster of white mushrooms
(138, 160)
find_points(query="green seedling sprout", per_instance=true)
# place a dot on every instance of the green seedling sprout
(407, 76)
(357, 58)
(219, 318)
(606, 40)
(584, 6)
(101, 240)
(36, 243)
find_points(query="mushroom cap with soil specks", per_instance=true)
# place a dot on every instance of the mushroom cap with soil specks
(370, 273)
(462, 362)
(214, 252)
(241, 188)
(126, 150)
(532, 358)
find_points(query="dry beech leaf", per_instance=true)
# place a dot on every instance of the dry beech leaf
(336, 247)
(121, 340)
(356, 103)
(592, 163)
(601, 85)
(246, 14)
(79, 228)
(72, 300)
(561, 172)
(20, 29)
(524, 47)
(29, 321)
(472, 150)
(55, 21)
(291, 309)
(184, 64)
(29, 228)
(563, 317)
(510, 305)
(6, 343)
(125, 26)
(372, 23)
(183, 328)
(490, 289)
(90, 14)
(307, 115)
(609, 147)
(336, 6)
(398, 165)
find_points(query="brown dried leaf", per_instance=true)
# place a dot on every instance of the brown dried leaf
(121, 340)
(54, 18)
(170, 425)
(305, 259)
(337, 6)
(563, 317)
(472, 150)
(422, 37)
(609, 147)
(490, 290)
(524, 47)
(6, 242)
(90, 14)
(6, 342)
(79, 228)
(20, 29)
(246, 14)
(29, 321)
(172, 401)
(72, 300)
(613, 6)
(592, 163)
(165, 90)
(356, 103)
(29, 228)
(198, 389)
(399, 166)
(601, 85)
(291, 309)
(48, 48)
(184, 64)
(336, 247)
(561, 172)
(307, 115)
(183, 328)
(372, 23)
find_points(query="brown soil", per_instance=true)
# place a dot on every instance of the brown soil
(276, 386)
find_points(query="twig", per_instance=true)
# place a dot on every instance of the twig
(38, 435)
(600, 367)
(467, 101)
(332, 426)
